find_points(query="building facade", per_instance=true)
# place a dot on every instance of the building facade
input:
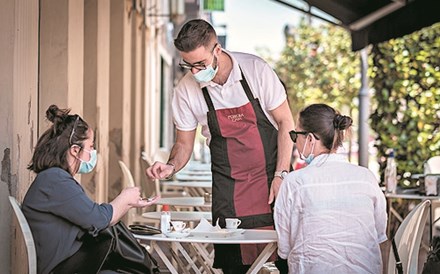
(111, 61)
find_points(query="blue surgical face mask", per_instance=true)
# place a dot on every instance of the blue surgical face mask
(88, 166)
(310, 157)
(206, 75)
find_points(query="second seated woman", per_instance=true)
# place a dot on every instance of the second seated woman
(331, 215)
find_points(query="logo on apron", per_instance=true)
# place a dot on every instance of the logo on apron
(236, 117)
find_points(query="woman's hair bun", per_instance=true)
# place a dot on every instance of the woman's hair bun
(342, 122)
(54, 114)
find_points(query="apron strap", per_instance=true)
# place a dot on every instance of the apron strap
(208, 99)
(244, 84)
(246, 87)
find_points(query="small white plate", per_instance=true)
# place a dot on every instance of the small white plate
(177, 234)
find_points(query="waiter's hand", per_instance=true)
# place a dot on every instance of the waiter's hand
(160, 171)
(276, 184)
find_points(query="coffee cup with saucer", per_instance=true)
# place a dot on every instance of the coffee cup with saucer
(232, 223)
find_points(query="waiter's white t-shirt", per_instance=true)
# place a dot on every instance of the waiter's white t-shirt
(189, 106)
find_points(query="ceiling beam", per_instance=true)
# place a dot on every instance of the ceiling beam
(309, 12)
(376, 15)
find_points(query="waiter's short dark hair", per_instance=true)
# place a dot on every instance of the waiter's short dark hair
(193, 34)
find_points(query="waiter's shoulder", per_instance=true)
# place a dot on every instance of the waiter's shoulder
(186, 83)
(248, 59)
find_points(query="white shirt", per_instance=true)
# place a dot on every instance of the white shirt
(189, 106)
(330, 218)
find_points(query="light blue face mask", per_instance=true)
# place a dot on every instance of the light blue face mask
(206, 75)
(310, 157)
(88, 166)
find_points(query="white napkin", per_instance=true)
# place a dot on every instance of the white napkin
(205, 226)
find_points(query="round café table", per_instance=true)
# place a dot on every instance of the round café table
(197, 246)
(193, 188)
(193, 177)
(189, 202)
(186, 216)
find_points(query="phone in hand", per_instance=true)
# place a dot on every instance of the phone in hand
(149, 199)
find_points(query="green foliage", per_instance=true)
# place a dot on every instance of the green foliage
(406, 103)
(318, 66)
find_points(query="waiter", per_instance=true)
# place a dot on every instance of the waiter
(242, 107)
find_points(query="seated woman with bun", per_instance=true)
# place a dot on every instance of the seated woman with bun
(60, 214)
(330, 216)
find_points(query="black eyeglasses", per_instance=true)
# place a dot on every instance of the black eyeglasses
(198, 65)
(294, 134)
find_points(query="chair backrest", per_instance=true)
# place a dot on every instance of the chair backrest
(408, 239)
(432, 165)
(27, 235)
(128, 177)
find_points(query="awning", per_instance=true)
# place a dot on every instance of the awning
(375, 21)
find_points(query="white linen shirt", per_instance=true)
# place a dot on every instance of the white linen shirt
(330, 218)
(189, 106)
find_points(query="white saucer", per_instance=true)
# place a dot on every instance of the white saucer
(175, 234)
(234, 229)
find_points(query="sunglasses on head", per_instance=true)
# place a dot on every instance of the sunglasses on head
(294, 134)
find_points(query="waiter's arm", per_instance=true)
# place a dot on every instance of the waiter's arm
(182, 149)
(179, 156)
(283, 117)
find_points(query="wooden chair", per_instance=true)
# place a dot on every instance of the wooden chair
(27, 235)
(134, 215)
(432, 166)
(408, 239)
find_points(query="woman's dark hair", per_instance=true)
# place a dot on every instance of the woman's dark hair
(193, 34)
(52, 146)
(326, 123)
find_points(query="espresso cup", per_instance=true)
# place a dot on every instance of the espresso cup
(178, 225)
(232, 223)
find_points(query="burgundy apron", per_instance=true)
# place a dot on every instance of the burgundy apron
(243, 155)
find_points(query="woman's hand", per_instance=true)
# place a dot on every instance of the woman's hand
(143, 202)
(129, 197)
(132, 197)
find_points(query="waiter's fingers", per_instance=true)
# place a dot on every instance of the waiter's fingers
(274, 188)
(271, 196)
